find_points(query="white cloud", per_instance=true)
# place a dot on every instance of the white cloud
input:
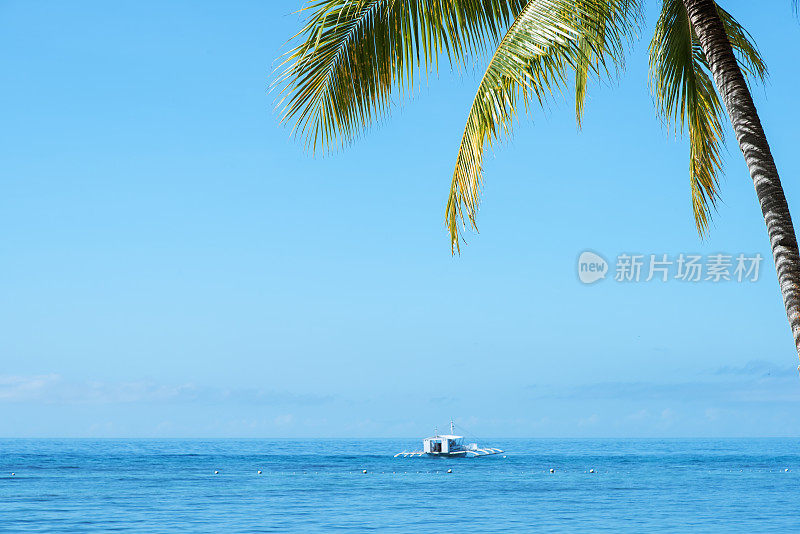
(53, 388)
(22, 388)
(588, 421)
(754, 382)
(285, 419)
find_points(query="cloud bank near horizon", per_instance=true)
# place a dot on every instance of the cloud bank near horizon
(758, 398)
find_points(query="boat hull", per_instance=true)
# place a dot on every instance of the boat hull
(469, 453)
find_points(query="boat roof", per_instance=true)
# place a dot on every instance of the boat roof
(448, 436)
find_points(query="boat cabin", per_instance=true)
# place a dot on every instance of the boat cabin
(446, 444)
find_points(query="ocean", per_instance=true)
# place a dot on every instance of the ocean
(653, 485)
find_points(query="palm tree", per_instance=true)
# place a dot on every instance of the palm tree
(711, 37)
(353, 58)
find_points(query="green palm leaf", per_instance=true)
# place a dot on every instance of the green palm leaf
(613, 24)
(355, 56)
(548, 40)
(686, 98)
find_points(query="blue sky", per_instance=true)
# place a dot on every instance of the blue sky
(175, 265)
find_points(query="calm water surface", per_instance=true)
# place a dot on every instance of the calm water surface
(317, 485)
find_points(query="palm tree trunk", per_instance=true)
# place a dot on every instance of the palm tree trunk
(753, 142)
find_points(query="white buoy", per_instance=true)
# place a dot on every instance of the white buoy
(364, 471)
(216, 472)
(552, 470)
(786, 470)
(259, 472)
(13, 474)
(591, 470)
(449, 470)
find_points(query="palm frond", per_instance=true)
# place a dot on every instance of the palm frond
(354, 56)
(608, 36)
(686, 98)
(548, 39)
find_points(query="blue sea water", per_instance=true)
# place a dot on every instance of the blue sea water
(736, 485)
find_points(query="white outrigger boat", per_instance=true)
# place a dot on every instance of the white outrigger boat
(449, 446)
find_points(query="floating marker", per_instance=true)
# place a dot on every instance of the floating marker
(552, 470)
(14, 474)
(591, 470)
(259, 472)
(216, 472)
(449, 470)
(364, 471)
(785, 470)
